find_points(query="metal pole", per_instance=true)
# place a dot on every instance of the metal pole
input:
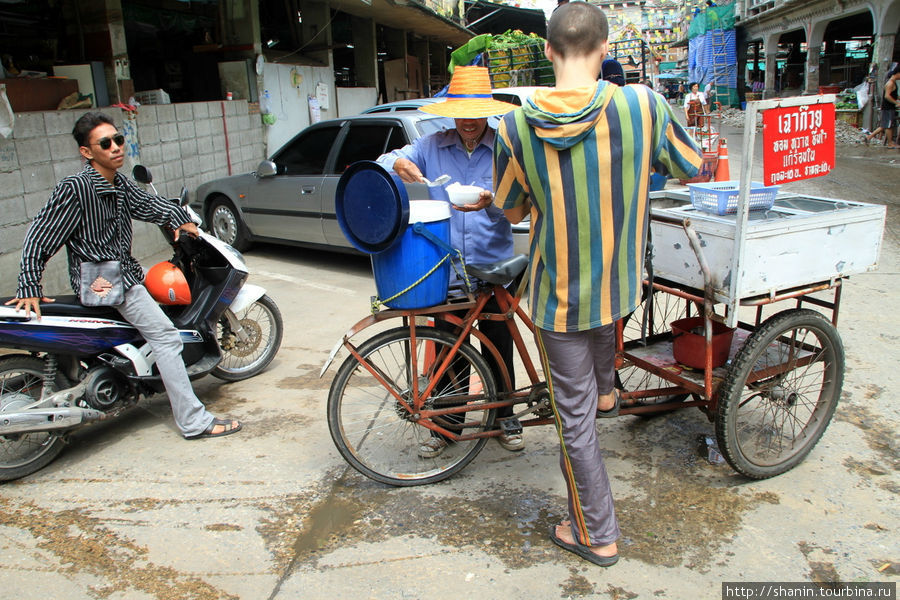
(743, 207)
(643, 61)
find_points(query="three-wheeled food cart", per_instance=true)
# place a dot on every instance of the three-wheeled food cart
(701, 337)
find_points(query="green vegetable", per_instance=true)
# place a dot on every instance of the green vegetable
(513, 38)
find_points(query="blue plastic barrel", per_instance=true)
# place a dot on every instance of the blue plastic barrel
(414, 255)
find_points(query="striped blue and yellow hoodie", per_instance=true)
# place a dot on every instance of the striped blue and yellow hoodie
(582, 158)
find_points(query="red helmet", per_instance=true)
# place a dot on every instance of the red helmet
(166, 283)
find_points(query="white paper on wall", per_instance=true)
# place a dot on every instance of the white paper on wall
(315, 114)
(322, 95)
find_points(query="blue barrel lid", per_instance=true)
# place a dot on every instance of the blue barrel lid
(372, 207)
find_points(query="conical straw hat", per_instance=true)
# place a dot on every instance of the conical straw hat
(469, 96)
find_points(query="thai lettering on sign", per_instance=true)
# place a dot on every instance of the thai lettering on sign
(798, 143)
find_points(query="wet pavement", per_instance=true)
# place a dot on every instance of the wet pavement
(132, 511)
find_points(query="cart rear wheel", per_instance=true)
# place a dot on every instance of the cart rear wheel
(780, 393)
(378, 436)
(660, 311)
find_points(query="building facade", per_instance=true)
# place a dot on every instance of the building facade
(804, 44)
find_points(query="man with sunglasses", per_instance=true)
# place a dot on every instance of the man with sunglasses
(90, 214)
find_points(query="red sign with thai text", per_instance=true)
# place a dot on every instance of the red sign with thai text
(798, 143)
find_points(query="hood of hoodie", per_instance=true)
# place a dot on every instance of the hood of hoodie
(562, 118)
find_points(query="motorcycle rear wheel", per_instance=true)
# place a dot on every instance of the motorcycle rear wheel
(264, 326)
(21, 380)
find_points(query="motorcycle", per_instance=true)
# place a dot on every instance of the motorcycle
(86, 364)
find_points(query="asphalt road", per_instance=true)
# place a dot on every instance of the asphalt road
(132, 511)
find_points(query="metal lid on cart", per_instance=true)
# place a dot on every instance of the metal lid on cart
(372, 208)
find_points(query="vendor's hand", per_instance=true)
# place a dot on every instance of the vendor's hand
(188, 228)
(408, 171)
(30, 304)
(485, 199)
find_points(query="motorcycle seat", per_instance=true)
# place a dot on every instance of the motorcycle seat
(69, 306)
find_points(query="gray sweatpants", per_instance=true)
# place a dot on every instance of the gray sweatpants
(142, 311)
(579, 366)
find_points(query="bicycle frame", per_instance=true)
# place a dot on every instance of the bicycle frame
(703, 386)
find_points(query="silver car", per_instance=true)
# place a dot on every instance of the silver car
(289, 199)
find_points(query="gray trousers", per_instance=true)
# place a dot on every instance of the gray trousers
(579, 366)
(142, 311)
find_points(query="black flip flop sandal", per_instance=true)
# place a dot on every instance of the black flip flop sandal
(614, 411)
(227, 429)
(583, 551)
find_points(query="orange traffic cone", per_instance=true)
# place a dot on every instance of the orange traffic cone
(722, 171)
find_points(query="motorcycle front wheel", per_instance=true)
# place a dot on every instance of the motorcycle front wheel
(21, 380)
(242, 359)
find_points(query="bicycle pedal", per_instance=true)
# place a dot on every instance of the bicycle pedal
(511, 426)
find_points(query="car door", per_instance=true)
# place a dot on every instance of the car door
(288, 206)
(366, 139)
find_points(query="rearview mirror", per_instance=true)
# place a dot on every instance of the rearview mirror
(141, 174)
(266, 169)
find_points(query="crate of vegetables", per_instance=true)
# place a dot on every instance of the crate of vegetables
(515, 59)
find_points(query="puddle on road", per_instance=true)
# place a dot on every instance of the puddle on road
(879, 436)
(509, 524)
(687, 509)
(680, 510)
(309, 381)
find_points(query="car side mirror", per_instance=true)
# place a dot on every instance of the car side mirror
(266, 169)
(141, 174)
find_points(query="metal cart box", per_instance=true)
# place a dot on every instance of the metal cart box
(801, 240)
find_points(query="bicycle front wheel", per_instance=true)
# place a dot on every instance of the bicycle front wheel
(378, 436)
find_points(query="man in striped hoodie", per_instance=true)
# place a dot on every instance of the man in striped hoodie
(578, 159)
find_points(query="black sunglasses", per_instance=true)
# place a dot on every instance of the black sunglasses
(105, 143)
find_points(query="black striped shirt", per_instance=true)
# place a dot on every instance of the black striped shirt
(93, 220)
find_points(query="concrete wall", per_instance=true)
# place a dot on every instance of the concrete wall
(290, 87)
(352, 101)
(182, 144)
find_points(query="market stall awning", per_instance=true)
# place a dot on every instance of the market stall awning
(409, 15)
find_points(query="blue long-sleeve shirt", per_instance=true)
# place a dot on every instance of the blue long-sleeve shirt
(482, 236)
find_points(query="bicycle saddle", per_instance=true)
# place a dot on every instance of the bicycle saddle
(500, 272)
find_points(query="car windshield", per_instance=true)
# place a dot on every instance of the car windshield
(430, 125)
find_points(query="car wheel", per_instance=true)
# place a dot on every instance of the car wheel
(225, 223)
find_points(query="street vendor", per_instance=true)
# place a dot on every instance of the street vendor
(695, 105)
(465, 153)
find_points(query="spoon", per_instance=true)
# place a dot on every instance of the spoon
(439, 181)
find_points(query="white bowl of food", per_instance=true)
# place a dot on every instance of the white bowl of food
(460, 195)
